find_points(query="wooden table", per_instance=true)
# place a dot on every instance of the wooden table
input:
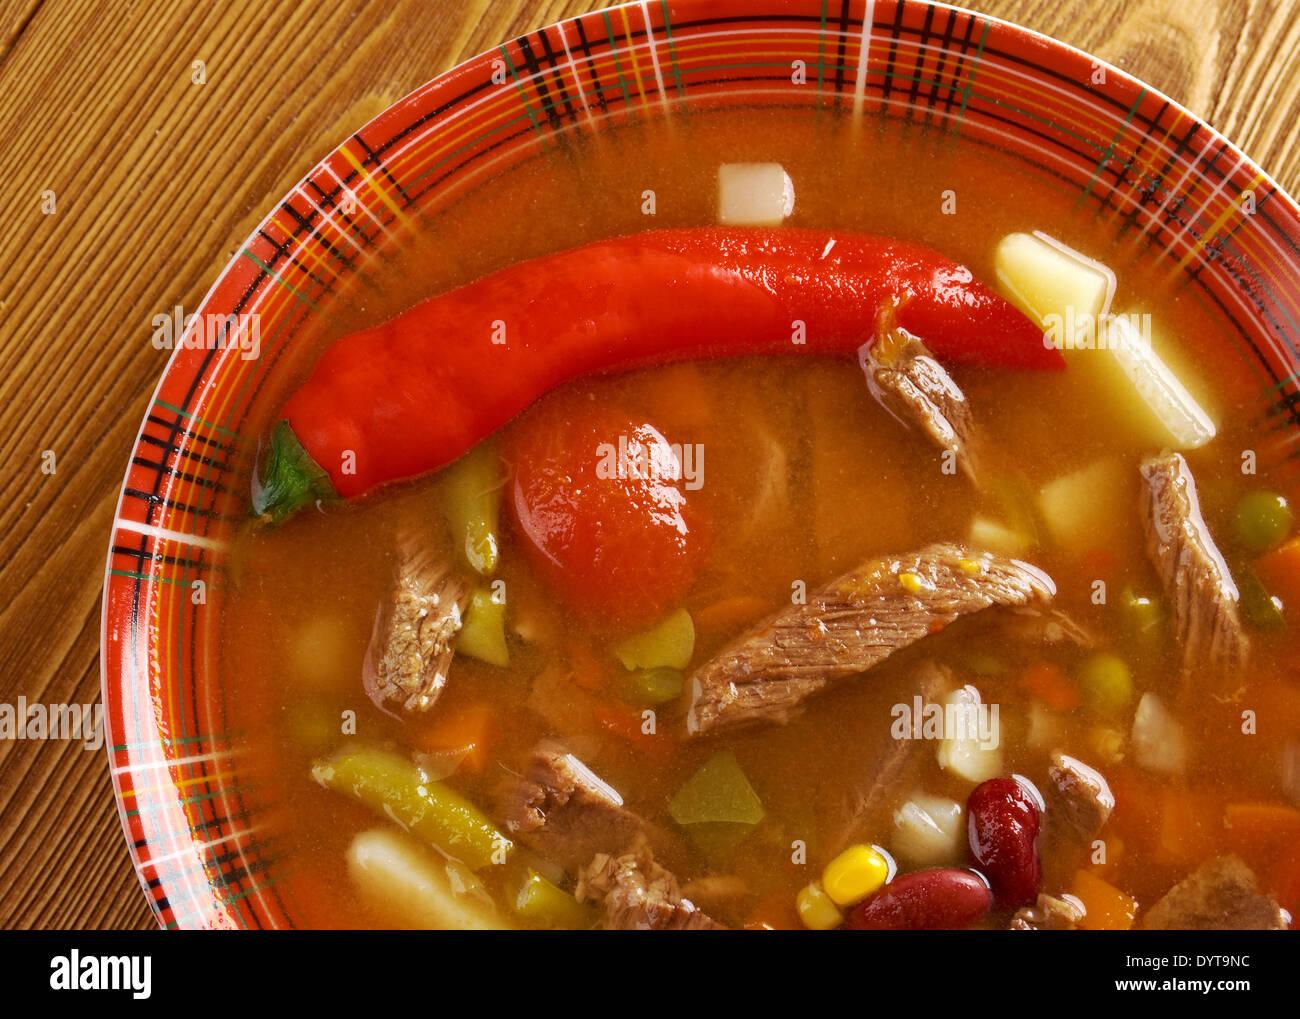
(156, 180)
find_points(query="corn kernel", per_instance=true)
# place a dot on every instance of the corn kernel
(855, 874)
(912, 582)
(969, 565)
(816, 909)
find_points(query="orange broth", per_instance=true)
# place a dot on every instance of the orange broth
(853, 483)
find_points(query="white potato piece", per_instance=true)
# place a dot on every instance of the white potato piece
(929, 831)
(1162, 406)
(967, 755)
(1070, 295)
(1090, 507)
(417, 888)
(754, 194)
(1158, 741)
(1061, 289)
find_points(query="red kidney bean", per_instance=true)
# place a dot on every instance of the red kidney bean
(926, 900)
(1002, 823)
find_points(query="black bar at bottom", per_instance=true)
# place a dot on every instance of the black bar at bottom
(578, 972)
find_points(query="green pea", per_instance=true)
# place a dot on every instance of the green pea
(1105, 684)
(1262, 521)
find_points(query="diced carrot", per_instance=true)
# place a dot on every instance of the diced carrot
(730, 614)
(1279, 572)
(1188, 830)
(1285, 880)
(589, 672)
(470, 729)
(626, 722)
(1257, 831)
(774, 913)
(1106, 907)
(1051, 686)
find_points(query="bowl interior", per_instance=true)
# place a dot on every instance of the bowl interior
(1148, 170)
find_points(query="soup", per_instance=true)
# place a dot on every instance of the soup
(700, 613)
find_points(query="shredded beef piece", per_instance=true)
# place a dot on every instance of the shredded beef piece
(917, 390)
(1202, 595)
(851, 624)
(411, 650)
(635, 893)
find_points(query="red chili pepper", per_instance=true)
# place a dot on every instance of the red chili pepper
(417, 392)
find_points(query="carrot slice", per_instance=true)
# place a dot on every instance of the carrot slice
(1107, 908)
(627, 723)
(471, 729)
(1050, 685)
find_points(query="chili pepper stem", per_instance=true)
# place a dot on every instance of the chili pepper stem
(290, 479)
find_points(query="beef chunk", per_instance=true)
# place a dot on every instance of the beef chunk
(908, 382)
(1201, 592)
(1079, 801)
(1220, 895)
(563, 810)
(635, 893)
(411, 649)
(1048, 914)
(854, 622)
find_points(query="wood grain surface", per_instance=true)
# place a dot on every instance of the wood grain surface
(158, 180)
